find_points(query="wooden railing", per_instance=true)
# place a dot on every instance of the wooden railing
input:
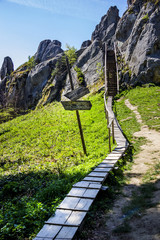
(110, 120)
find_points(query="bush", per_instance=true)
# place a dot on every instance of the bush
(71, 54)
(80, 76)
(31, 63)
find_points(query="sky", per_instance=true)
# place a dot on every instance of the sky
(25, 23)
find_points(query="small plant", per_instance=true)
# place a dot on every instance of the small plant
(31, 63)
(130, 10)
(80, 76)
(71, 54)
(100, 71)
(145, 18)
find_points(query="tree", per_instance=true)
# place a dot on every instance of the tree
(71, 54)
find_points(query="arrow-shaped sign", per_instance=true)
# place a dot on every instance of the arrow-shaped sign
(77, 93)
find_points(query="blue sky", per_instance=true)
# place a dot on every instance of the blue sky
(25, 23)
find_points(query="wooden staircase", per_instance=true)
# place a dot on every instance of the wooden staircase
(111, 73)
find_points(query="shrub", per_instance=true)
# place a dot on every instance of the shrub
(71, 54)
(145, 18)
(31, 63)
(80, 76)
(100, 71)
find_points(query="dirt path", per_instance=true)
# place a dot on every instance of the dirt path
(147, 225)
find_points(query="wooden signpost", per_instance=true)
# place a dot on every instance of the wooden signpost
(77, 93)
(78, 105)
(73, 104)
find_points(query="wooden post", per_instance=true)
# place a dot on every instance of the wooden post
(69, 72)
(105, 62)
(109, 133)
(113, 132)
(115, 50)
(77, 112)
(81, 132)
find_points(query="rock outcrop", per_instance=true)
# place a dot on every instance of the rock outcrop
(27, 85)
(86, 43)
(105, 30)
(137, 38)
(93, 51)
(87, 62)
(48, 49)
(7, 68)
(129, 2)
(138, 42)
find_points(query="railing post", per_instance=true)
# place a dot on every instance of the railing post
(105, 69)
(115, 50)
(109, 133)
(113, 132)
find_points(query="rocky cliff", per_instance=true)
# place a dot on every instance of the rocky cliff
(138, 43)
(24, 87)
(137, 39)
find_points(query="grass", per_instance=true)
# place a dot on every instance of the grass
(146, 99)
(40, 158)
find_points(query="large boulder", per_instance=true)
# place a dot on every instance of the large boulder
(48, 49)
(7, 68)
(138, 42)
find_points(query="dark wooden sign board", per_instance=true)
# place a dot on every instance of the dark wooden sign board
(78, 105)
(77, 93)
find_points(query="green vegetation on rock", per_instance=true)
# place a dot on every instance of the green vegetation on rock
(80, 76)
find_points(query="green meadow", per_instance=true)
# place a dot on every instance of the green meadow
(41, 155)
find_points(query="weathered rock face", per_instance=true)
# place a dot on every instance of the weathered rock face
(105, 30)
(93, 51)
(137, 36)
(86, 44)
(87, 62)
(138, 41)
(47, 49)
(129, 2)
(7, 67)
(40, 78)
(26, 88)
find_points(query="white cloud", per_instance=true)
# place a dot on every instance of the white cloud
(79, 8)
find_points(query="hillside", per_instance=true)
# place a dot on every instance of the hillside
(41, 156)
(130, 210)
(135, 37)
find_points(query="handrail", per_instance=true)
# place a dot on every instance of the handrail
(110, 115)
(115, 50)
(110, 119)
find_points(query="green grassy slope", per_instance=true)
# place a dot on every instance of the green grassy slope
(148, 101)
(40, 158)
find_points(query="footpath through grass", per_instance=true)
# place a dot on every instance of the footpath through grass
(148, 101)
(40, 158)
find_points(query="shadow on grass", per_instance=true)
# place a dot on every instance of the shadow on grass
(140, 201)
(28, 200)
